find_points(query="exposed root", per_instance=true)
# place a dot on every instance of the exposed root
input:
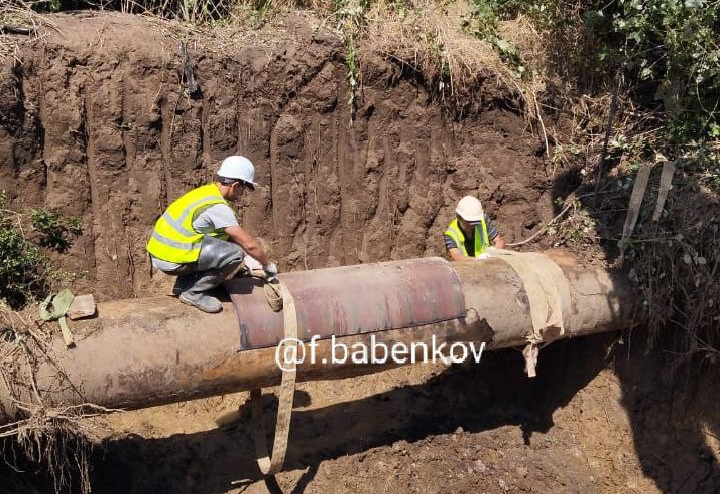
(55, 439)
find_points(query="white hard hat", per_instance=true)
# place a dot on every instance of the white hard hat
(470, 209)
(238, 168)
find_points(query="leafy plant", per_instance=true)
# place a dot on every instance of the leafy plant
(353, 66)
(23, 268)
(671, 48)
(443, 67)
(48, 5)
(578, 227)
(484, 17)
(400, 7)
(25, 271)
(352, 19)
(55, 229)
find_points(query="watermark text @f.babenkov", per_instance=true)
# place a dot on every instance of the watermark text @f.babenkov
(292, 351)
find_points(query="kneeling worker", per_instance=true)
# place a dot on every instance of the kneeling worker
(199, 240)
(469, 233)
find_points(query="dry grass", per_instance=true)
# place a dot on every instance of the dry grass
(428, 39)
(675, 266)
(424, 38)
(19, 25)
(673, 262)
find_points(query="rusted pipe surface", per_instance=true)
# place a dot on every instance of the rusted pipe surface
(351, 299)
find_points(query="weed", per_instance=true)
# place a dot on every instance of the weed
(55, 229)
(25, 272)
(437, 48)
(353, 67)
(23, 268)
(482, 23)
(352, 20)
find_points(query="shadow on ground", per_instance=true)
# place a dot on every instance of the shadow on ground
(675, 418)
(674, 410)
(475, 398)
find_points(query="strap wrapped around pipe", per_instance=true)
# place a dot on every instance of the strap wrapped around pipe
(548, 293)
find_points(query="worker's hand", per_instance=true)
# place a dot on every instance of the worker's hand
(271, 271)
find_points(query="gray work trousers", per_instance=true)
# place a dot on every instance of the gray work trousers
(214, 254)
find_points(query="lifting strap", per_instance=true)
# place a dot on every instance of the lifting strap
(548, 293)
(270, 465)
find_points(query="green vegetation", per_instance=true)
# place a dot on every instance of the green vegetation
(55, 229)
(667, 50)
(661, 59)
(669, 55)
(25, 271)
(670, 46)
(23, 268)
(352, 19)
(483, 22)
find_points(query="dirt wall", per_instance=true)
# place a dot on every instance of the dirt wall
(96, 123)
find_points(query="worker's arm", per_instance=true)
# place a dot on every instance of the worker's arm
(498, 242)
(248, 243)
(453, 250)
(456, 255)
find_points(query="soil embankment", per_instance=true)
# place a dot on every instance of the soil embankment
(98, 126)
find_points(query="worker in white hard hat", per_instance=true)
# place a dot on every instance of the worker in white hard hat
(199, 240)
(470, 232)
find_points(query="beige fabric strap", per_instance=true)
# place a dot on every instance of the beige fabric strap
(636, 198)
(270, 465)
(273, 296)
(548, 293)
(665, 185)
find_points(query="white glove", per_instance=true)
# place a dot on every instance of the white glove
(271, 271)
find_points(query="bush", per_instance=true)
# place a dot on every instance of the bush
(55, 229)
(25, 271)
(23, 268)
(672, 45)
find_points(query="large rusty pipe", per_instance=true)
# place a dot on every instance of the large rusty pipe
(139, 353)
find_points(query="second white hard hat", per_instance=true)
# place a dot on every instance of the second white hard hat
(470, 209)
(238, 168)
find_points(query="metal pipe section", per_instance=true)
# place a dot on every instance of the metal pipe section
(139, 353)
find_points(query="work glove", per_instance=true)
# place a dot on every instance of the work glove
(271, 271)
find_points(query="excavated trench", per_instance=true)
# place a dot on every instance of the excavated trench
(95, 122)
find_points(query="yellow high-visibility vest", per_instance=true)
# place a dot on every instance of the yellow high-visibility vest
(481, 237)
(174, 239)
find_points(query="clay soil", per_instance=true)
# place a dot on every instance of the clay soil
(95, 122)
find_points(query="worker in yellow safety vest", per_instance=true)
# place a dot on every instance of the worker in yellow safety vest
(470, 232)
(199, 240)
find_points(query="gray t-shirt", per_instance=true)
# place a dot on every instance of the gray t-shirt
(215, 217)
(210, 219)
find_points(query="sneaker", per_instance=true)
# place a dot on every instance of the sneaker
(205, 303)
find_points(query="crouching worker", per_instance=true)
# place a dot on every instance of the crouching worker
(470, 232)
(199, 240)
